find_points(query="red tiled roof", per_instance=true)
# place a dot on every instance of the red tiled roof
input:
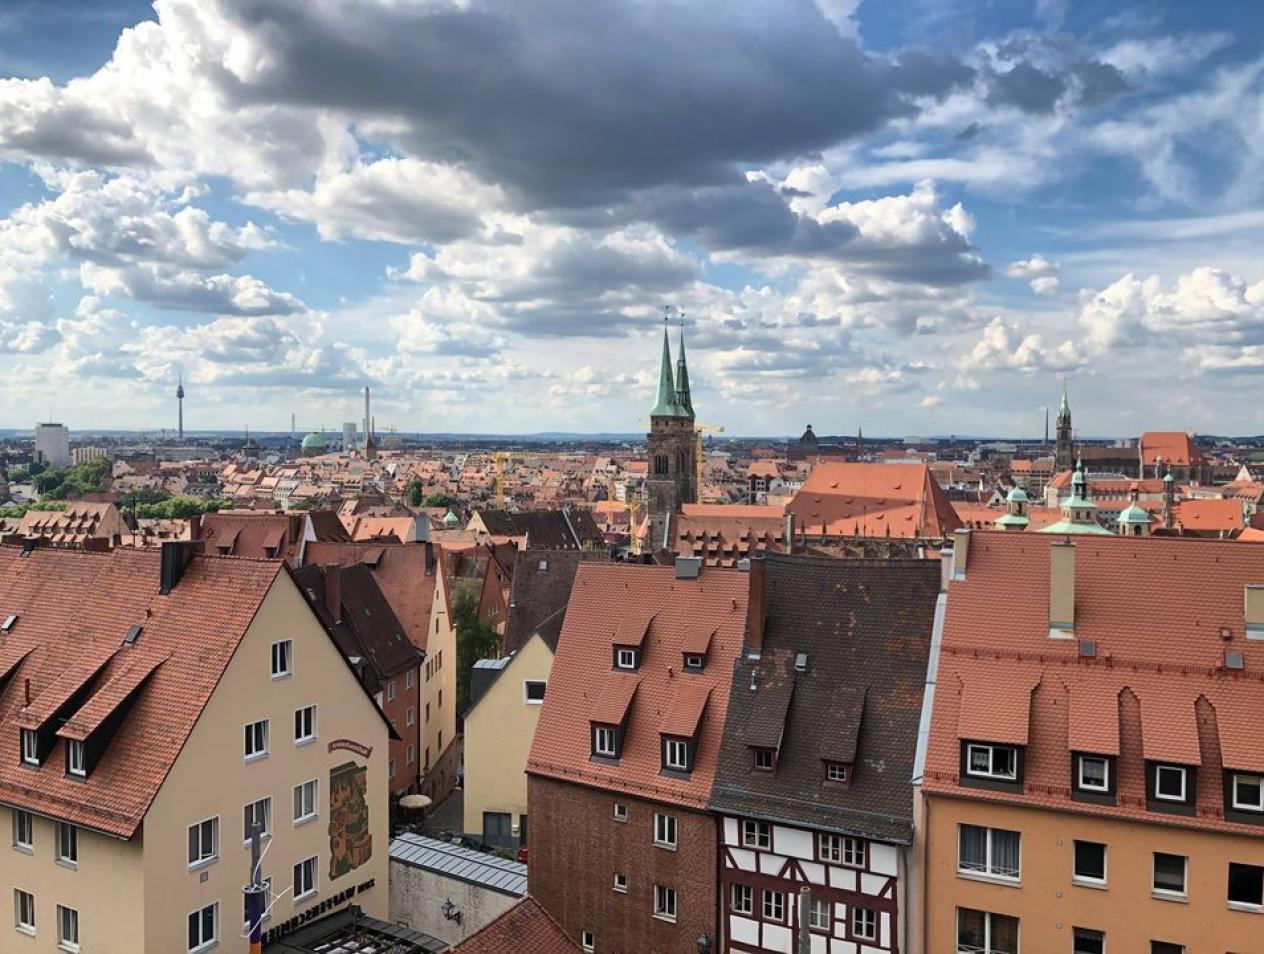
(581, 675)
(1160, 611)
(108, 698)
(526, 928)
(610, 705)
(873, 500)
(197, 626)
(684, 712)
(993, 709)
(1209, 514)
(1175, 447)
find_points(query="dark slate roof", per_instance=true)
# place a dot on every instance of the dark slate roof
(464, 864)
(541, 588)
(865, 627)
(568, 529)
(366, 627)
(327, 527)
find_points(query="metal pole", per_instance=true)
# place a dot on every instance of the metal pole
(255, 892)
(805, 937)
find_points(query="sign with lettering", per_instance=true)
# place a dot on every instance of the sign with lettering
(364, 751)
(312, 913)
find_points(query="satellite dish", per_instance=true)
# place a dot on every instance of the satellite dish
(416, 801)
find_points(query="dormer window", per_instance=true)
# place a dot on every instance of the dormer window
(625, 657)
(764, 760)
(997, 762)
(1093, 774)
(837, 772)
(1171, 783)
(677, 754)
(694, 663)
(605, 741)
(30, 747)
(76, 763)
(1246, 792)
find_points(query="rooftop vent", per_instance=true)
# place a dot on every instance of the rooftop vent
(1088, 648)
(688, 568)
(8, 622)
(800, 662)
(132, 633)
(1233, 659)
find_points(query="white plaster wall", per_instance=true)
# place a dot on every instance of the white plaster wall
(417, 898)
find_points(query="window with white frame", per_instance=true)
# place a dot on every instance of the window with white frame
(257, 812)
(1089, 863)
(203, 842)
(774, 906)
(282, 658)
(982, 932)
(587, 941)
(664, 902)
(410, 755)
(410, 715)
(676, 754)
(993, 852)
(694, 661)
(1246, 886)
(533, 691)
(305, 879)
(408, 679)
(756, 834)
(67, 928)
(1092, 773)
(67, 843)
(625, 658)
(605, 741)
(763, 760)
(621, 883)
(742, 899)
(835, 771)
(841, 850)
(203, 928)
(620, 812)
(1087, 941)
(390, 691)
(864, 923)
(256, 740)
(304, 725)
(992, 761)
(819, 914)
(24, 911)
(1171, 783)
(76, 762)
(664, 830)
(1247, 792)
(1169, 874)
(23, 830)
(305, 801)
(30, 747)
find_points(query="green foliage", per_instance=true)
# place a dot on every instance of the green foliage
(72, 482)
(20, 510)
(475, 640)
(414, 493)
(177, 508)
(439, 499)
(146, 495)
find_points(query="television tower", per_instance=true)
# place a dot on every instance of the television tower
(180, 407)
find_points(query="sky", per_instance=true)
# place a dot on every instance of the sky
(911, 216)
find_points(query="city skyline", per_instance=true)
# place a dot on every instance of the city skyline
(916, 218)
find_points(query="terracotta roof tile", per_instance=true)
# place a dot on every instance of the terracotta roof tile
(526, 928)
(610, 705)
(873, 500)
(684, 712)
(1093, 717)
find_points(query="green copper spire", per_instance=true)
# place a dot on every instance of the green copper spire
(684, 402)
(1064, 409)
(665, 400)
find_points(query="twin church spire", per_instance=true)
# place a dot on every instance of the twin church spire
(673, 398)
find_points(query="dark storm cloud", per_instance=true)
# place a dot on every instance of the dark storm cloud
(1030, 89)
(576, 104)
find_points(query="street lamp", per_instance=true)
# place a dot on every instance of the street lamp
(704, 943)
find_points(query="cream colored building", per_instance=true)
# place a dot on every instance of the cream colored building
(135, 840)
(498, 731)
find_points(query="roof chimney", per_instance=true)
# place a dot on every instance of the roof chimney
(960, 552)
(175, 557)
(333, 591)
(1062, 588)
(688, 568)
(789, 532)
(755, 613)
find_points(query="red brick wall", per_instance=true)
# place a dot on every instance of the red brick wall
(577, 848)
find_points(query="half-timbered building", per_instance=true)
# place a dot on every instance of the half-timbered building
(814, 781)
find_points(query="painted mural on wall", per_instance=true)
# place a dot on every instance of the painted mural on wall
(350, 841)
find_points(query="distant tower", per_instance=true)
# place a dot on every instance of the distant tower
(673, 446)
(180, 408)
(370, 447)
(1064, 453)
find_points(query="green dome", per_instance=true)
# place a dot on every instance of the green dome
(450, 519)
(314, 441)
(1017, 495)
(1132, 514)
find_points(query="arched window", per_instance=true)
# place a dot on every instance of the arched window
(660, 463)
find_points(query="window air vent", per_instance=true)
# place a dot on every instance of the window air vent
(8, 622)
(1088, 648)
(801, 662)
(1233, 659)
(129, 637)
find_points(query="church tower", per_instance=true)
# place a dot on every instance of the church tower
(1064, 454)
(673, 447)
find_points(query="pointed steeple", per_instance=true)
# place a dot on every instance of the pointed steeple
(1064, 409)
(684, 402)
(665, 400)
